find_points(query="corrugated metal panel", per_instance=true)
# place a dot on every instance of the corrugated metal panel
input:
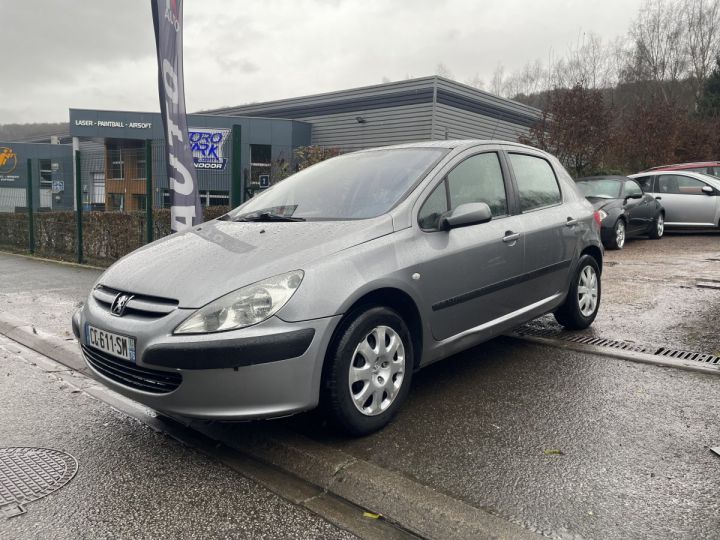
(461, 124)
(382, 127)
(329, 97)
(486, 97)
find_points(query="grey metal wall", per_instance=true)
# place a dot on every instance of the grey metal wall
(428, 108)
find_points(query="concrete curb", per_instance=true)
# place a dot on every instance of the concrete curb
(411, 505)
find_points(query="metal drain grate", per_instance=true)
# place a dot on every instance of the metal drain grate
(28, 474)
(621, 345)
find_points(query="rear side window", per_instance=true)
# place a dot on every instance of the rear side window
(680, 185)
(477, 179)
(536, 182)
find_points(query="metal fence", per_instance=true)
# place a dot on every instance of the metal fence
(108, 202)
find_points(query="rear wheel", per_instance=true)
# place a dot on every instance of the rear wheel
(583, 298)
(617, 240)
(658, 227)
(368, 370)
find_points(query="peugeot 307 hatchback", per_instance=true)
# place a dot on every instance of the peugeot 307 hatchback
(335, 285)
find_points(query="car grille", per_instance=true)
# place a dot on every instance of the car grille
(147, 307)
(131, 375)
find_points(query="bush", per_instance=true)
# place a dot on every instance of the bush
(107, 236)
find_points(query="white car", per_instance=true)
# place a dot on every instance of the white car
(690, 199)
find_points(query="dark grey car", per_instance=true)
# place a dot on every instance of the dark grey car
(339, 282)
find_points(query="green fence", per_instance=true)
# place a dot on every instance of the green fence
(121, 202)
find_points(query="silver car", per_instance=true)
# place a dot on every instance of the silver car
(335, 285)
(690, 199)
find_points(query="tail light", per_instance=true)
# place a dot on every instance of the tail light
(597, 217)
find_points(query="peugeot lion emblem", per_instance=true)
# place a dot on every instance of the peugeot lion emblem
(118, 306)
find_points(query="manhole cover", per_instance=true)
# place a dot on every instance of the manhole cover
(28, 474)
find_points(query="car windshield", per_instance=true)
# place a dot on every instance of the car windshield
(604, 188)
(354, 186)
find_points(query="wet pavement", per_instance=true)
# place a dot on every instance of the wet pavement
(132, 482)
(651, 296)
(564, 443)
(567, 444)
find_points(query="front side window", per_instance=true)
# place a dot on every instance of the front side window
(631, 188)
(680, 185)
(477, 179)
(536, 182)
(646, 183)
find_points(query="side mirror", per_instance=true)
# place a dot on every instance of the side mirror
(634, 196)
(464, 215)
(708, 190)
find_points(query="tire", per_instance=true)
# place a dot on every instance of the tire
(617, 240)
(575, 314)
(657, 229)
(368, 404)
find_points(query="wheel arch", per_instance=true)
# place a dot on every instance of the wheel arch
(395, 299)
(596, 253)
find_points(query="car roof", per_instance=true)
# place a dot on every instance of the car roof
(456, 144)
(601, 177)
(681, 166)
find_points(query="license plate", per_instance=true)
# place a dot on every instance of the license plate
(111, 343)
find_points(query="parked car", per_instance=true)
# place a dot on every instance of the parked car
(624, 209)
(339, 282)
(690, 199)
(705, 167)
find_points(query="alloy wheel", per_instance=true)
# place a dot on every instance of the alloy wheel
(660, 225)
(377, 370)
(620, 234)
(587, 291)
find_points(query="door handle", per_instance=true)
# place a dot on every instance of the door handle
(658, 198)
(510, 237)
(571, 222)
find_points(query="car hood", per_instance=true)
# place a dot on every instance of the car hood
(197, 266)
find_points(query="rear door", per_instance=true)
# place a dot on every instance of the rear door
(684, 201)
(467, 272)
(550, 229)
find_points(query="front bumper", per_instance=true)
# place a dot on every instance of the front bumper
(267, 370)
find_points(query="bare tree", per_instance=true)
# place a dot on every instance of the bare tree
(703, 38)
(476, 82)
(659, 35)
(443, 71)
(497, 83)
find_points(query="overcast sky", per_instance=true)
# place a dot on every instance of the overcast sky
(100, 54)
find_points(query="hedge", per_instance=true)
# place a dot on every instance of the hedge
(107, 236)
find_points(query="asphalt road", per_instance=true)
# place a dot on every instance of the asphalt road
(132, 482)
(567, 444)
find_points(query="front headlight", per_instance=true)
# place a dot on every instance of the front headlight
(603, 214)
(244, 307)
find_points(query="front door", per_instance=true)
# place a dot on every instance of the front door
(467, 272)
(684, 201)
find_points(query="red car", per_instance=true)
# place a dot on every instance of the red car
(706, 167)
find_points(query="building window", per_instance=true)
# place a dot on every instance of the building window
(98, 188)
(117, 164)
(140, 202)
(45, 173)
(116, 201)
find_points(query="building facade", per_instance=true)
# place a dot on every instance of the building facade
(428, 108)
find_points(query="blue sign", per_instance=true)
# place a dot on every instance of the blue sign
(58, 186)
(207, 147)
(264, 180)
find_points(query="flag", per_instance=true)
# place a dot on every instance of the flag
(185, 208)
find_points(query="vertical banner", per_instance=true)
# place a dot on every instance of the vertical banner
(185, 209)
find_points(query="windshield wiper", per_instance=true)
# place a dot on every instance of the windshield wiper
(267, 216)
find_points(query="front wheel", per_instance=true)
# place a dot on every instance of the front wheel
(368, 370)
(583, 298)
(617, 240)
(658, 227)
